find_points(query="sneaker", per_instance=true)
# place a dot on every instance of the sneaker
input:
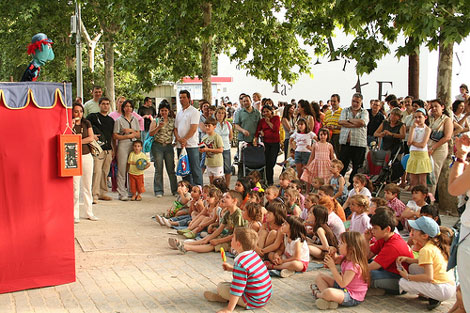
(159, 196)
(433, 304)
(166, 222)
(172, 242)
(286, 273)
(180, 246)
(76, 220)
(93, 218)
(123, 198)
(213, 297)
(105, 198)
(322, 304)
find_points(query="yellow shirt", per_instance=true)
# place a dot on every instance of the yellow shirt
(430, 254)
(133, 158)
(332, 119)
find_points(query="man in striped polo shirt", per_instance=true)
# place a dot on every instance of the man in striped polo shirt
(251, 285)
(331, 121)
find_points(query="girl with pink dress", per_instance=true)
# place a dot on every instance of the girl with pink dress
(320, 159)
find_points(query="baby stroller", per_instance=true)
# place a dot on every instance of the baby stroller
(252, 159)
(391, 172)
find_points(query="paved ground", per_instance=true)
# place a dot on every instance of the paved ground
(124, 265)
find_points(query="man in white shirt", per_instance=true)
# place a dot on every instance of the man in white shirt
(186, 124)
(93, 106)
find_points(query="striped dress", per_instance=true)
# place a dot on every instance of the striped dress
(251, 280)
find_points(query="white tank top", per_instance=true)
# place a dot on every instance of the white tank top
(418, 136)
(289, 250)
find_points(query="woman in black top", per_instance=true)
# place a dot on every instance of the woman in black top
(392, 131)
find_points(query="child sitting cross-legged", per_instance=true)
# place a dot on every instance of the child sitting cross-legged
(223, 234)
(205, 218)
(427, 275)
(251, 286)
(360, 221)
(349, 287)
(292, 199)
(293, 255)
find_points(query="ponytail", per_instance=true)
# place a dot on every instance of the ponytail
(443, 240)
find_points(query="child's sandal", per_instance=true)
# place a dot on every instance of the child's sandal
(190, 235)
(315, 290)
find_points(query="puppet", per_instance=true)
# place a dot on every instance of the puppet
(41, 49)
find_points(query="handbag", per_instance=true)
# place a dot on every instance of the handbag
(437, 135)
(95, 148)
(183, 169)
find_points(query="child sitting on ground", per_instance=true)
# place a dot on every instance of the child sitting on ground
(299, 185)
(360, 221)
(322, 237)
(392, 192)
(269, 237)
(419, 195)
(204, 219)
(195, 207)
(293, 256)
(317, 182)
(338, 182)
(253, 215)
(292, 199)
(181, 205)
(349, 287)
(427, 275)
(334, 221)
(272, 192)
(222, 236)
(255, 179)
(290, 162)
(375, 203)
(310, 200)
(243, 186)
(326, 192)
(251, 286)
(361, 186)
(285, 179)
(136, 175)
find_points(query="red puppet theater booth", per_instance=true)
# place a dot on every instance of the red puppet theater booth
(36, 205)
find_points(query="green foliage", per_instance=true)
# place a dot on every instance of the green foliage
(376, 25)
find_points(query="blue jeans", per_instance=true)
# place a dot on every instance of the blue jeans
(162, 153)
(385, 280)
(195, 178)
(348, 300)
(182, 220)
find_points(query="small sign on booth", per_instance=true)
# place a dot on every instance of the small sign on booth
(70, 155)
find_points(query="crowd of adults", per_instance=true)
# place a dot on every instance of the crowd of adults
(353, 129)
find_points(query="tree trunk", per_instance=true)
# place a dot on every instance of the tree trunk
(444, 84)
(206, 55)
(109, 69)
(413, 75)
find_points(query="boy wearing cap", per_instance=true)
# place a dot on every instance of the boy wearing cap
(428, 274)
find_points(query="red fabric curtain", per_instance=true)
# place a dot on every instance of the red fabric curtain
(36, 205)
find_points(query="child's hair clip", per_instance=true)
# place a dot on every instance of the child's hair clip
(259, 189)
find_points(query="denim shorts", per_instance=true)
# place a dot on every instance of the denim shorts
(302, 157)
(348, 300)
(227, 162)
